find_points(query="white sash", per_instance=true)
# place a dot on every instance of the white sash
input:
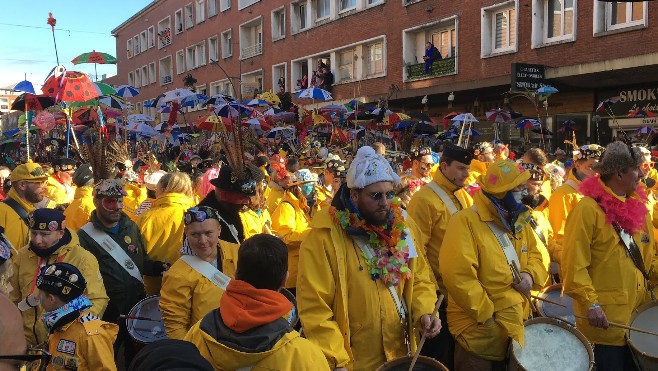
(452, 209)
(505, 243)
(572, 183)
(207, 270)
(116, 252)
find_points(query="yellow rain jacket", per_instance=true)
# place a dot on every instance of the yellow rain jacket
(135, 195)
(26, 269)
(162, 228)
(479, 280)
(58, 192)
(325, 196)
(477, 168)
(293, 225)
(597, 270)
(561, 203)
(78, 213)
(16, 231)
(545, 249)
(229, 257)
(186, 296)
(87, 343)
(432, 217)
(347, 314)
(275, 196)
(255, 222)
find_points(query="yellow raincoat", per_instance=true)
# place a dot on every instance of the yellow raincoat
(255, 223)
(26, 269)
(348, 315)
(561, 203)
(275, 196)
(135, 195)
(477, 168)
(325, 196)
(597, 270)
(78, 213)
(162, 229)
(229, 257)
(479, 280)
(432, 217)
(58, 192)
(186, 296)
(545, 249)
(91, 341)
(293, 225)
(16, 231)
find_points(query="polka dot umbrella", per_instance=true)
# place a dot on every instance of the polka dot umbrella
(72, 86)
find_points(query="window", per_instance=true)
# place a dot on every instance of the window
(224, 5)
(625, 14)
(559, 19)
(251, 38)
(212, 8)
(195, 56)
(151, 37)
(279, 78)
(227, 44)
(178, 20)
(498, 29)
(323, 9)
(444, 40)
(200, 11)
(129, 48)
(245, 3)
(180, 62)
(145, 76)
(143, 45)
(131, 78)
(347, 4)
(138, 107)
(504, 29)
(138, 79)
(346, 65)
(221, 87)
(136, 46)
(165, 68)
(375, 59)
(213, 49)
(152, 73)
(164, 33)
(298, 14)
(278, 24)
(373, 2)
(188, 13)
(299, 71)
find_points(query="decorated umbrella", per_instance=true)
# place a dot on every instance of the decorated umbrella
(418, 127)
(646, 130)
(140, 117)
(72, 86)
(338, 108)
(29, 101)
(314, 93)
(421, 117)
(641, 113)
(85, 115)
(546, 90)
(105, 89)
(394, 118)
(194, 100)
(167, 109)
(141, 128)
(257, 103)
(498, 116)
(464, 118)
(95, 58)
(127, 91)
(605, 104)
(112, 101)
(378, 111)
(447, 118)
(284, 131)
(219, 99)
(172, 95)
(233, 109)
(212, 122)
(528, 123)
(270, 97)
(260, 123)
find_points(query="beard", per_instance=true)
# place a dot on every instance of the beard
(33, 197)
(375, 217)
(532, 200)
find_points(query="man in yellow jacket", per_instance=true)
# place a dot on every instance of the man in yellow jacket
(78, 213)
(483, 157)
(431, 209)
(28, 187)
(195, 282)
(60, 184)
(564, 198)
(608, 252)
(489, 261)
(359, 314)
(50, 242)
(251, 328)
(77, 339)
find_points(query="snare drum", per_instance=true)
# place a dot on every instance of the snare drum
(546, 309)
(645, 346)
(551, 344)
(403, 363)
(145, 332)
(293, 316)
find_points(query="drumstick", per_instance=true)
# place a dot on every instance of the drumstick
(422, 338)
(125, 316)
(613, 324)
(548, 301)
(516, 274)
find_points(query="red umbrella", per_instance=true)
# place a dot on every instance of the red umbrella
(84, 115)
(72, 86)
(448, 118)
(606, 104)
(212, 122)
(498, 115)
(641, 113)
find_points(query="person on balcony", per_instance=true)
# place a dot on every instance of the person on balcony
(431, 54)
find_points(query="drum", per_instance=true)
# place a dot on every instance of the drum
(546, 309)
(144, 332)
(551, 344)
(293, 316)
(645, 346)
(403, 363)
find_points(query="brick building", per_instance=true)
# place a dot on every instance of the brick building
(590, 50)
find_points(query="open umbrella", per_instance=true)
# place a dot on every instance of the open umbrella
(527, 123)
(72, 86)
(394, 118)
(378, 111)
(606, 103)
(172, 95)
(218, 99)
(25, 86)
(105, 89)
(28, 101)
(257, 103)
(641, 113)
(213, 122)
(233, 109)
(498, 115)
(270, 97)
(141, 128)
(546, 90)
(194, 100)
(314, 93)
(140, 117)
(127, 91)
(95, 58)
(112, 101)
(646, 130)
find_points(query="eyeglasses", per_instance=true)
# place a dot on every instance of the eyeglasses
(377, 196)
(34, 360)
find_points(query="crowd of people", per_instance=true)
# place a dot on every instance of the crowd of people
(329, 262)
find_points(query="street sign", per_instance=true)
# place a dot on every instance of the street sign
(527, 76)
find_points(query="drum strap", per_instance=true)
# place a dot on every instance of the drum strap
(443, 195)
(633, 251)
(114, 250)
(535, 227)
(505, 243)
(207, 270)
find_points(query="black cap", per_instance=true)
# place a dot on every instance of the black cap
(82, 175)
(47, 220)
(64, 164)
(457, 153)
(63, 280)
(245, 185)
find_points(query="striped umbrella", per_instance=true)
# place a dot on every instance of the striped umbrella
(127, 91)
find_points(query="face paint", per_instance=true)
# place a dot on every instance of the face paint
(112, 203)
(518, 196)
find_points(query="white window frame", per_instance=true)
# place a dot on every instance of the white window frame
(224, 5)
(341, 67)
(252, 23)
(278, 25)
(150, 37)
(601, 17)
(171, 72)
(179, 20)
(368, 62)
(197, 54)
(327, 4)
(200, 11)
(246, 3)
(275, 80)
(166, 19)
(136, 47)
(227, 51)
(488, 29)
(212, 8)
(563, 36)
(131, 78)
(129, 48)
(152, 76)
(539, 35)
(373, 2)
(180, 67)
(296, 18)
(145, 75)
(188, 16)
(342, 9)
(138, 78)
(413, 49)
(629, 22)
(143, 41)
(214, 57)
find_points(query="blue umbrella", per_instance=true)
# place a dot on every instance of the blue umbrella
(232, 109)
(193, 100)
(546, 90)
(257, 103)
(527, 123)
(314, 93)
(25, 86)
(127, 91)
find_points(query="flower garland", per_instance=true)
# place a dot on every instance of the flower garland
(390, 262)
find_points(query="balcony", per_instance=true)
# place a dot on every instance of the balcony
(165, 37)
(165, 80)
(251, 51)
(443, 67)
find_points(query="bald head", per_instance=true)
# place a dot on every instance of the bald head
(12, 340)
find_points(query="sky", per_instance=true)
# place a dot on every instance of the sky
(27, 48)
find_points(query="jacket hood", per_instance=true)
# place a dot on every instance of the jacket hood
(177, 199)
(444, 182)
(244, 307)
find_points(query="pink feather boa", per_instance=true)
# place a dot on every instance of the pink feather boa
(630, 215)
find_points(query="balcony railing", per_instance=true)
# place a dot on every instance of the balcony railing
(250, 51)
(165, 37)
(442, 67)
(165, 80)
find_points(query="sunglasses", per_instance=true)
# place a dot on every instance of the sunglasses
(377, 196)
(200, 214)
(34, 360)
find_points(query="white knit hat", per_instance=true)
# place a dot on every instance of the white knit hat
(368, 168)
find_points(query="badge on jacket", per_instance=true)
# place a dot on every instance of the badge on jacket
(129, 264)
(66, 346)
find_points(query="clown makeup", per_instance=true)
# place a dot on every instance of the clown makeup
(112, 203)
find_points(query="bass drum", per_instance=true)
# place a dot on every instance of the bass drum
(645, 346)
(546, 309)
(293, 315)
(144, 332)
(422, 364)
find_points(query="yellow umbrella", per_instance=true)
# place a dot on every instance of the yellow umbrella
(271, 98)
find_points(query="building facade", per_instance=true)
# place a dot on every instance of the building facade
(589, 50)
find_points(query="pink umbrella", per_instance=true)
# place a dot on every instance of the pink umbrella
(498, 115)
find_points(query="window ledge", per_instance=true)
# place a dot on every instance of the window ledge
(620, 30)
(410, 2)
(227, 56)
(547, 43)
(278, 38)
(344, 82)
(346, 12)
(499, 53)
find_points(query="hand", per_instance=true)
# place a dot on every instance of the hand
(525, 284)
(431, 326)
(597, 318)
